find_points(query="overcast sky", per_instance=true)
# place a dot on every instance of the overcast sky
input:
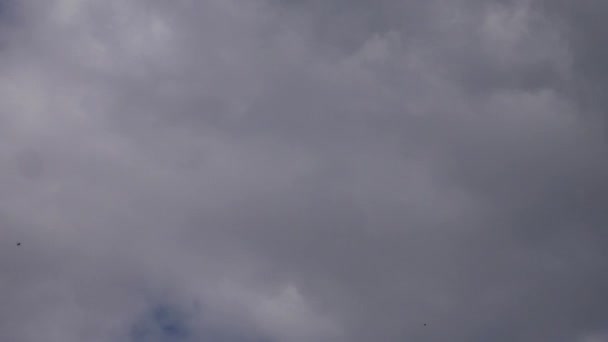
(303, 170)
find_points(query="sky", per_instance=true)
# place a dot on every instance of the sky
(303, 170)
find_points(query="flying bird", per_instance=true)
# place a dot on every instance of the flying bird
(18, 243)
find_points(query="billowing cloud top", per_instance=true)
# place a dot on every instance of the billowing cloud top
(295, 171)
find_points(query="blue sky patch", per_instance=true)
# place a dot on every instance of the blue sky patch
(162, 324)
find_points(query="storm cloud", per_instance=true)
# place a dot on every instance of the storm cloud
(294, 171)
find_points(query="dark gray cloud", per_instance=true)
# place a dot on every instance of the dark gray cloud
(303, 171)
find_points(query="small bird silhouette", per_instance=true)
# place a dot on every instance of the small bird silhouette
(18, 243)
(425, 324)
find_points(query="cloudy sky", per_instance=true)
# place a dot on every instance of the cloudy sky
(303, 170)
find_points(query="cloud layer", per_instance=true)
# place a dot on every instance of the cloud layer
(290, 171)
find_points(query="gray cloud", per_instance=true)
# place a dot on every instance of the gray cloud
(302, 171)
